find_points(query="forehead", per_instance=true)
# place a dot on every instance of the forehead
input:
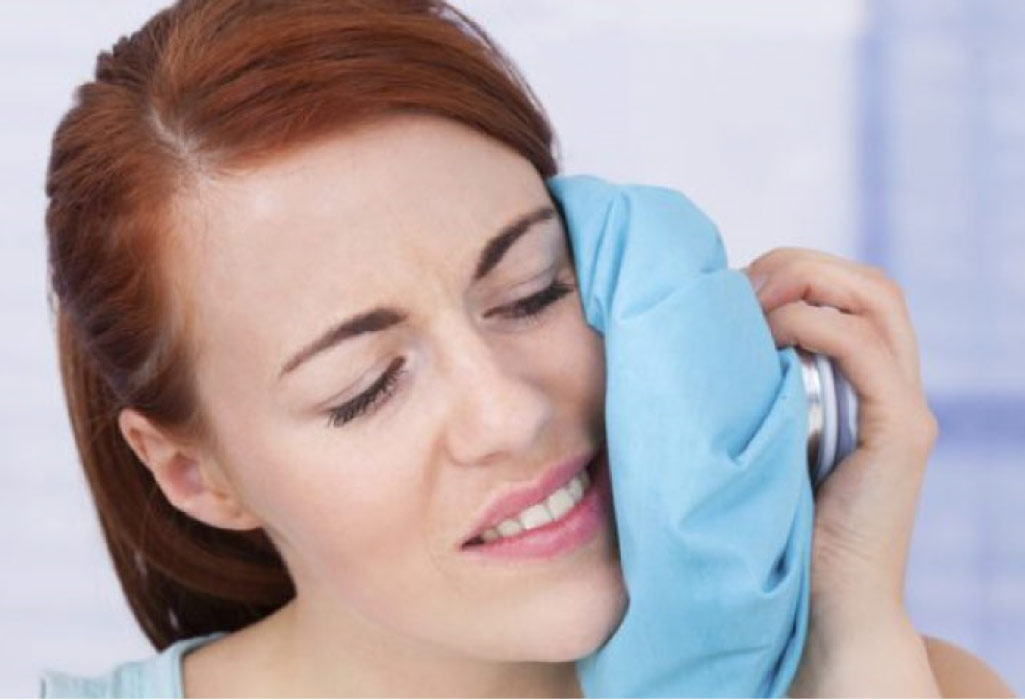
(347, 223)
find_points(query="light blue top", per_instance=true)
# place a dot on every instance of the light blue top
(159, 676)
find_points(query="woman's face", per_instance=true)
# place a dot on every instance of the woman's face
(370, 513)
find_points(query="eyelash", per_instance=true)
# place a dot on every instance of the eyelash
(530, 306)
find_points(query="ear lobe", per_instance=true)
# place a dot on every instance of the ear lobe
(186, 476)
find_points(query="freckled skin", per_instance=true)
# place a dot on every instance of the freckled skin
(369, 515)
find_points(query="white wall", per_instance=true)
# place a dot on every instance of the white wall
(748, 112)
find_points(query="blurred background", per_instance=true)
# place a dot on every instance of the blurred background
(891, 133)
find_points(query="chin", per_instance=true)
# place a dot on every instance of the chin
(588, 632)
(569, 627)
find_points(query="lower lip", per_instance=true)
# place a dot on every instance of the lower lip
(576, 527)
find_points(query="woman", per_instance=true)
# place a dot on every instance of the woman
(291, 491)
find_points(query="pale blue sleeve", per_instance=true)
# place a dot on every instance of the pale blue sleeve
(54, 684)
(115, 684)
(159, 676)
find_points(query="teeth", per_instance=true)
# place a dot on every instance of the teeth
(552, 508)
(559, 503)
(509, 527)
(535, 516)
(576, 487)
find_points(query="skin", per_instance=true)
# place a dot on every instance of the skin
(963, 675)
(861, 641)
(368, 515)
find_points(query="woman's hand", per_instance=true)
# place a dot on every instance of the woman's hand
(865, 510)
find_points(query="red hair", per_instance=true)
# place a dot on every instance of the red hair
(207, 85)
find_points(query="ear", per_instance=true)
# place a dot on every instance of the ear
(190, 478)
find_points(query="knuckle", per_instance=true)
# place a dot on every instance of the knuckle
(926, 444)
(925, 428)
(887, 287)
(787, 321)
(805, 270)
(892, 288)
(864, 334)
(779, 255)
(802, 268)
(794, 251)
(780, 316)
(876, 271)
(931, 426)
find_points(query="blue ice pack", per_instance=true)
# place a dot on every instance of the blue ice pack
(706, 428)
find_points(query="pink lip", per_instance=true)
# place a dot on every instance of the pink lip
(515, 497)
(579, 526)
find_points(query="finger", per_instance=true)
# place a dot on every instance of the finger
(821, 279)
(775, 256)
(878, 298)
(890, 409)
(862, 354)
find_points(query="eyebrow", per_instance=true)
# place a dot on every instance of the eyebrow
(380, 318)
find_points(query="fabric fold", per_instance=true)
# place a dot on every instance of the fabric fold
(706, 427)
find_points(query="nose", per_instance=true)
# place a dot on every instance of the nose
(496, 407)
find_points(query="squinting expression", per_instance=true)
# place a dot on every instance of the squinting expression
(389, 335)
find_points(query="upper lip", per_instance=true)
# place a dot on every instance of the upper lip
(515, 497)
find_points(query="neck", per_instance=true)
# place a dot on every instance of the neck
(304, 656)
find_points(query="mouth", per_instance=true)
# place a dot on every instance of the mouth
(566, 486)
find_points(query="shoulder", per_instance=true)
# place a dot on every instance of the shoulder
(158, 676)
(121, 681)
(960, 673)
(57, 684)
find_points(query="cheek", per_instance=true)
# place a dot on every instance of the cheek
(364, 542)
(333, 510)
(354, 523)
(582, 361)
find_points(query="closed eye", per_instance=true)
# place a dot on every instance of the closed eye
(385, 385)
(535, 303)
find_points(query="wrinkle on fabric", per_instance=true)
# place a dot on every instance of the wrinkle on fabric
(706, 429)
